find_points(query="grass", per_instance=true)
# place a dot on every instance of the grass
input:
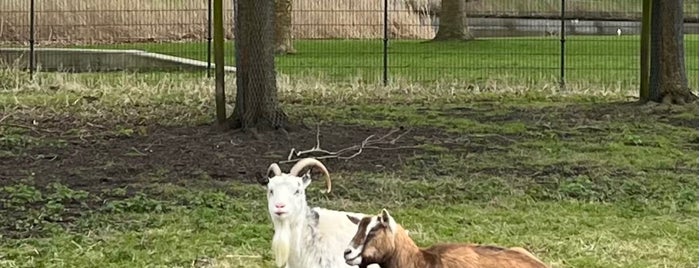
(591, 62)
(579, 178)
(584, 235)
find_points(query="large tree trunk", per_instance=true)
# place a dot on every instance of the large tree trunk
(256, 104)
(283, 42)
(452, 21)
(668, 76)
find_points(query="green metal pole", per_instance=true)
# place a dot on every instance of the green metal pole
(219, 62)
(645, 50)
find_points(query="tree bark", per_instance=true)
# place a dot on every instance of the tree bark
(668, 75)
(452, 21)
(256, 106)
(283, 42)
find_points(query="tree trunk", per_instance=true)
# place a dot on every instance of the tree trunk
(452, 21)
(668, 76)
(283, 43)
(256, 104)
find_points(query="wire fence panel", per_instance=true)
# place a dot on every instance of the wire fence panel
(603, 45)
(179, 28)
(520, 42)
(338, 40)
(498, 51)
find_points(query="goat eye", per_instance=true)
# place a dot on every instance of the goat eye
(298, 191)
(271, 192)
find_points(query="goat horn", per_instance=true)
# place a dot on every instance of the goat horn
(274, 168)
(311, 162)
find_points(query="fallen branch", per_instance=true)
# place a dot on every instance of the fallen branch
(369, 142)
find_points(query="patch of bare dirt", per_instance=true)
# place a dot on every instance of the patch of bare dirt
(172, 154)
(100, 161)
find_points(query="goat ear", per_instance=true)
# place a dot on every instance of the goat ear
(262, 179)
(385, 216)
(388, 220)
(306, 179)
(353, 219)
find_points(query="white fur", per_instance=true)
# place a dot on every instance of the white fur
(321, 245)
(281, 243)
(300, 240)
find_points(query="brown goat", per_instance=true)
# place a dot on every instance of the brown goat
(379, 239)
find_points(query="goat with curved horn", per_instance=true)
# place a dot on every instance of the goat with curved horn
(305, 237)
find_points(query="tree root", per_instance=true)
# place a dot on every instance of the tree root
(254, 133)
(466, 37)
(679, 98)
(261, 126)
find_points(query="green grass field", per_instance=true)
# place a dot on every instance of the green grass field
(581, 179)
(591, 62)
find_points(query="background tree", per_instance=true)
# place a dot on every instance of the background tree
(283, 42)
(668, 75)
(452, 21)
(256, 106)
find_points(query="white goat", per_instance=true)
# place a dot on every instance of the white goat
(305, 237)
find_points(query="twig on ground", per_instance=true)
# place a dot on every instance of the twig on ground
(37, 130)
(96, 125)
(7, 116)
(315, 148)
(369, 142)
(491, 135)
(44, 157)
(545, 125)
(538, 121)
(138, 152)
(147, 149)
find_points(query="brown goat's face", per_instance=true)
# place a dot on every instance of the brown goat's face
(373, 241)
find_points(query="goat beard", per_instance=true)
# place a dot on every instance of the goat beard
(281, 243)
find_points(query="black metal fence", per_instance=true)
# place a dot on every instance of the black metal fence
(587, 42)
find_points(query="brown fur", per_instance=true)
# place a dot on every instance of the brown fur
(399, 250)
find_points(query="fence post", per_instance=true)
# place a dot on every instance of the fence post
(220, 62)
(385, 42)
(563, 45)
(644, 92)
(208, 41)
(32, 60)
